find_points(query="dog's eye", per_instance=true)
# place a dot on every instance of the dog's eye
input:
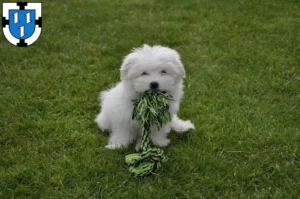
(163, 72)
(144, 73)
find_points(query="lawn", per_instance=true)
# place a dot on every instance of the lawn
(242, 92)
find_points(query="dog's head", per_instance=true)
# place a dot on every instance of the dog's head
(157, 68)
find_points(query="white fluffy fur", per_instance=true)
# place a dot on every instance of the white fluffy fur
(141, 67)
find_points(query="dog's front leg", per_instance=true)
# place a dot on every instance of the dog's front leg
(120, 138)
(159, 137)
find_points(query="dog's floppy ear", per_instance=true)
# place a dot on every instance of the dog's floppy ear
(127, 63)
(177, 62)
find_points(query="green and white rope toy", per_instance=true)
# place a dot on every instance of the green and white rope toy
(151, 109)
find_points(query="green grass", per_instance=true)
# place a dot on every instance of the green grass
(242, 91)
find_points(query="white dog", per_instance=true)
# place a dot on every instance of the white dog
(157, 68)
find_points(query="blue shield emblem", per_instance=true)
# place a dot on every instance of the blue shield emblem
(22, 22)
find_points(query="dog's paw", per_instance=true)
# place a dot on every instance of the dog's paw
(181, 126)
(189, 125)
(161, 142)
(113, 146)
(138, 145)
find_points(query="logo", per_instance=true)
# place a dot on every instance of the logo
(22, 22)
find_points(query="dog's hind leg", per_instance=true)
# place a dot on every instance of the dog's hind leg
(181, 126)
(103, 121)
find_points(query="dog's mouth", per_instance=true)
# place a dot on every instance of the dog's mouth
(164, 92)
(157, 90)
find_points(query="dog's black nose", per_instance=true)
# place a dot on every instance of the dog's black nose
(154, 85)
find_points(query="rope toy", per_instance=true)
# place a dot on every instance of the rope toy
(151, 109)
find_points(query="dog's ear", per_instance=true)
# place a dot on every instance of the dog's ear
(177, 62)
(127, 63)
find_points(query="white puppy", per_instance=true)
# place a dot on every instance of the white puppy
(145, 68)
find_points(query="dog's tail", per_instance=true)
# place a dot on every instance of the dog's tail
(181, 126)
